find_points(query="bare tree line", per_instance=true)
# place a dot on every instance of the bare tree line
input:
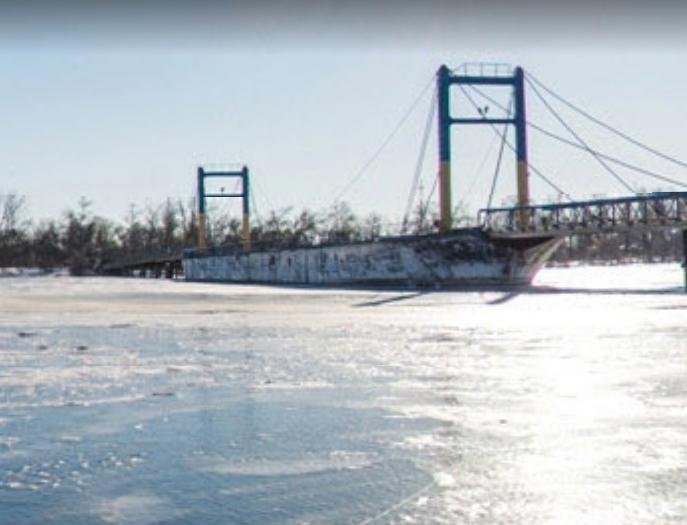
(83, 241)
(617, 248)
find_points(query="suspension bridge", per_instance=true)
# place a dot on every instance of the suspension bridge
(635, 210)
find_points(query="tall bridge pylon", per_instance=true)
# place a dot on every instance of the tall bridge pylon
(446, 78)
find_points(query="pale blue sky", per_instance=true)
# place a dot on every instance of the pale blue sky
(127, 124)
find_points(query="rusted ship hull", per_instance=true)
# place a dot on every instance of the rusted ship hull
(465, 257)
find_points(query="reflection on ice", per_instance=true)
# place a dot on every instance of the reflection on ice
(304, 464)
(137, 509)
(565, 403)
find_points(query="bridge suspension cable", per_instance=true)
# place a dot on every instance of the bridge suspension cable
(608, 158)
(478, 171)
(500, 156)
(604, 156)
(254, 204)
(363, 170)
(430, 196)
(420, 161)
(579, 139)
(604, 125)
(263, 194)
(510, 146)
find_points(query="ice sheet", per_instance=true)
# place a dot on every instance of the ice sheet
(125, 400)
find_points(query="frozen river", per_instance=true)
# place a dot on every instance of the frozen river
(145, 402)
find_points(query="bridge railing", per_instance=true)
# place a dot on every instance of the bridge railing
(650, 211)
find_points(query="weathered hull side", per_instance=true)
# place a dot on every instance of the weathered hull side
(460, 258)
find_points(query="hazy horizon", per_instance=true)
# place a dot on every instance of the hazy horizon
(121, 103)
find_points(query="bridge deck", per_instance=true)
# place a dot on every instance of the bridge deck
(158, 264)
(650, 211)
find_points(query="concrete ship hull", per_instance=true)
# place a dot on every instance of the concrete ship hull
(465, 257)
